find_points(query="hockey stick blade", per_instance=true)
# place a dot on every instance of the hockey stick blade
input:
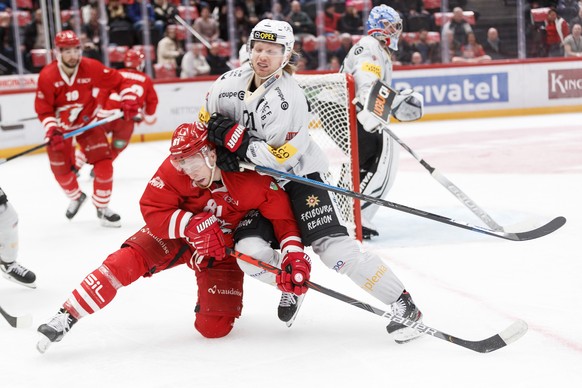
(17, 322)
(541, 231)
(511, 334)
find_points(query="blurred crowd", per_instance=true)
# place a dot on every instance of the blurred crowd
(200, 44)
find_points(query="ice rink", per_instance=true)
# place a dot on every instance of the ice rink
(523, 171)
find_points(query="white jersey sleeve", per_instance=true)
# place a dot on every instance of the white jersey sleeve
(277, 117)
(367, 61)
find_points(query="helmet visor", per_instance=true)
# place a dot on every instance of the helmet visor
(189, 165)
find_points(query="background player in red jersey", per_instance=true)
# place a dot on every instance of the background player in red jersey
(193, 210)
(147, 100)
(65, 102)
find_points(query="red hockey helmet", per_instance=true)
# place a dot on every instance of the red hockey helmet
(67, 39)
(134, 59)
(189, 139)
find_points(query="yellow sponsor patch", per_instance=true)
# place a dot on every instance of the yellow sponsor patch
(203, 115)
(371, 68)
(283, 153)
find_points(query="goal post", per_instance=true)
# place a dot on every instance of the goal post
(333, 127)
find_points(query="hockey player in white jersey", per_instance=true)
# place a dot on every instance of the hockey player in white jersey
(11, 269)
(259, 113)
(368, 61)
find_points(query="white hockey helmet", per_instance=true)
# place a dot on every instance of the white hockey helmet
(385, 24)
(273, 31)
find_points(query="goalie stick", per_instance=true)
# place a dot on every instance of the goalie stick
(531, 234)
(379, 103)
(511, 334)
(17, 322)
(67, 135)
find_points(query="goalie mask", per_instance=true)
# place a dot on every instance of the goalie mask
(273, 31)
(385, 24)
(190, 152)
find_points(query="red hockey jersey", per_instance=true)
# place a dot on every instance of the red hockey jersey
(171, 198)
(143, 88)
(70, 102)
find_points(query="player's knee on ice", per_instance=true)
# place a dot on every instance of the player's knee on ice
(211, 326)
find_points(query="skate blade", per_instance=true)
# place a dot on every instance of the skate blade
(43, 344)
(110, 224)
(406, 335)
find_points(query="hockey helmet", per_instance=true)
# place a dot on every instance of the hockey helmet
(188, 139)
(134, 59)
(273, 31)
(385, 24)
(67, 39)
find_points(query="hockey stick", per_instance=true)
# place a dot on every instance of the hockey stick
(17, 322)
(511, 334)
(541, 231)
(67, 135)
(376, 103)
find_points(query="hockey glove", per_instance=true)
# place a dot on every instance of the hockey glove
(408, 105)
(226, 161)
(205, 235)
(55, 138)
(296, 267)
(130, 109)
(370, 122)
(224, 131)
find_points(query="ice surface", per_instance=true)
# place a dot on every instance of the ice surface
(523, 171)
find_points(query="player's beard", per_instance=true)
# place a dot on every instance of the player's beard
(68, 66)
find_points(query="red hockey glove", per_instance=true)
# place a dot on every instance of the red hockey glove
(130, 109)
(225, 132)
(296, 267)
(206, 236)
(55, 138)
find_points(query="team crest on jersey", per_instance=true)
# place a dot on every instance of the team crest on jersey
(274, 186)
(358, 50)
(157, 182)
(312, 201)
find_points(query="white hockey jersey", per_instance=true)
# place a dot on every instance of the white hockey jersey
(367, 61)
(277, 117)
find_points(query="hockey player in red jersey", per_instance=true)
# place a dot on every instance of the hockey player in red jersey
(194, 210)
(147, 100)
(65, 102)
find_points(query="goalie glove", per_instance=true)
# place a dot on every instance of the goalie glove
(370, 122)
(205, 235)
(225, 132)
(408, 105)
(295, 270)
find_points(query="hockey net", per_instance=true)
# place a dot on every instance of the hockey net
(333, 127)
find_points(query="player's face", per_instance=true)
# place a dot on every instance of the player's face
(70, 57)
(266, 58)
(196, 168)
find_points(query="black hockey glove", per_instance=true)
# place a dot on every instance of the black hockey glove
(224, 131)
(226, 160)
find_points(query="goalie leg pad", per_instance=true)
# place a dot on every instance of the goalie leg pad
(220, 298)
(380, 174)
(8, 233)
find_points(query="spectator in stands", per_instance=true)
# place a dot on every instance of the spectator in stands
(206, 25)
(459, 26)
(134, 13)
(169, 51)
(308, 60)
(276, 12)
(494, 47)
(330, 19)
(253, 9)
(573, 42)
(242, 26)
(34, 36)
(345, 46)
(556, 31)
(452, 47)
(351, 21)
(430, 51)
(92, 29)
(218, 64)
(568, 9)
(86, 10)
(6, 45)
(334, 64)
(120, 27)
(416, 59)
(577, 19)
(164, 11)
(417, 17)
(472, 51)
(299, 20)
(194, 63)
(90, 50)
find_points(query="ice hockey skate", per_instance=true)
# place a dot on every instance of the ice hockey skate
(368, 229)
(55, 329)
(406, 308)
(289, 307)
(108, 217)
(75, 205)
(18, 274)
